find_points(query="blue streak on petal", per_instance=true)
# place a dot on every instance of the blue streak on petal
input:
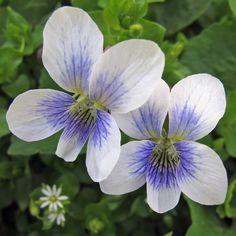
(161, 177)
(102, 129)
(77, 63)
(139, 159)
(55, 109)
(185, 122)
(109, 88)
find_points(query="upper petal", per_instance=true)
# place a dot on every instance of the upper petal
(79, 126)
(126, 75)
(37, 114)
(203, 178)
(196, 105)
(147, 121)
(72, 43)
(129, 173)
(103, 148)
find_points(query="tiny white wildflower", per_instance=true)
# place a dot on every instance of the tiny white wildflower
(57, 216)
(52, 198)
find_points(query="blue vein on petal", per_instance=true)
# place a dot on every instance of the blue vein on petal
(77, 64)
(138, 160)
(184, 122)
(54, 108)
(109, 88)
(165, 178)
(101, 132)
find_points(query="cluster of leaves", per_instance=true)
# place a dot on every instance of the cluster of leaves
(196, 36)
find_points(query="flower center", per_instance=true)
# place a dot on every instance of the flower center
(53, 198)
(165, 155)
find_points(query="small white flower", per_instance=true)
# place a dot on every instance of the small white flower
(173, 162)
(52, 198)
(120, 79)
(57, 216)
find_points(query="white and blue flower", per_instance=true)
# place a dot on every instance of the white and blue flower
(119, 80)
(173, 162)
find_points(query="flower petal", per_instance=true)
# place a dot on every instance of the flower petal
(72, 43)
(162, 199)
(37, 114)
(126, 75)
(129, 173)
(78, 128)
(197, 104)
(147, 121)
(103, 148)
(207, 183)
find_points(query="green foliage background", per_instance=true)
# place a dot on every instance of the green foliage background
(196, 36)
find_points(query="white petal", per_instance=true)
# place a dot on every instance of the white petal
(197, 104)
(44, 204)
(103, 148)
(72, 43)
(44, 198)
(163, 199)
(49, 189)
(207, 183)
(147, 121)
(37, 114)
(78, 128)
(126, 75)
(46, 192)
(62, 198)
(129, 173)
(58, 192)
(54, 189)
(59, 204)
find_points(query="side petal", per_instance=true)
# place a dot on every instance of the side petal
(147, 121)
(38, 114)
(72, 43)
(79, 126)
(126, 75)
(196, 105)
(163, 199)
(129, 173)
(206, 180)
(103, 148)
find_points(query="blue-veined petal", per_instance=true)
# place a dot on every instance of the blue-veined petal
(103, 148)
(147, 121)
(206, 183)
(126, 75)
(37, 114)
(72, 43)
(129, 173)
(79, 126)
(197, 104)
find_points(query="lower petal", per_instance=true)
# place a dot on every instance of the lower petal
(129, 173)
(206, 180)
(103, 147)
(78, 128)
(162, 199)
(38, 114)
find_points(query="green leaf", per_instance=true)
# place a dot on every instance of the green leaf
(84, 4)
(232, 4)
(3, 123)
(5, 170)
(46, 146)
(175, 15)
(3, 19)
(18, 32)
(152, 31)
(19, 86)
(6, 193)
(70, 185)
(10, 59)
(33, 10)
(209, 52)
(205, 222)
(230, 202)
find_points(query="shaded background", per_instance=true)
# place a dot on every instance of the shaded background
(196, 36)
